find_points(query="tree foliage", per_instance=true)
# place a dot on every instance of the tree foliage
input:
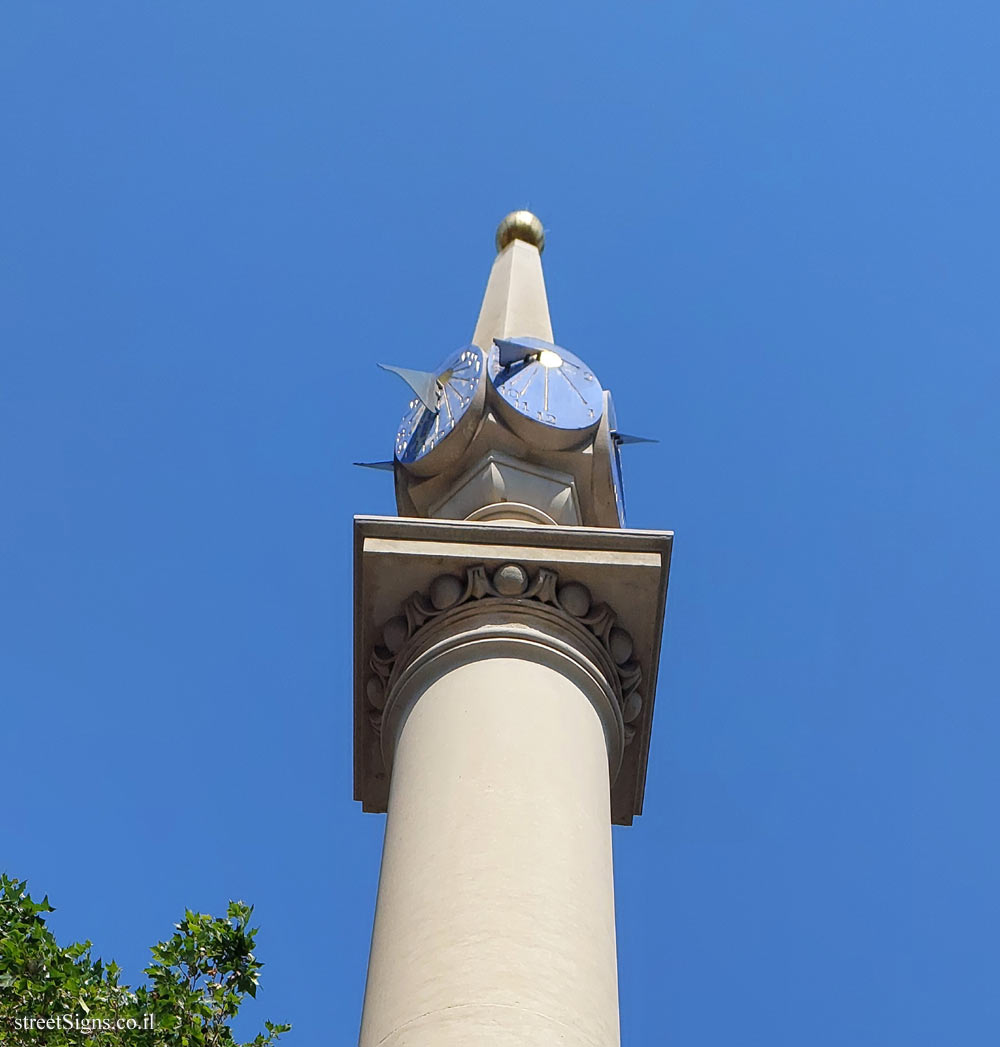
(62, 997)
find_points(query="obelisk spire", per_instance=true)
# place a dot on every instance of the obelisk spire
(515, 303)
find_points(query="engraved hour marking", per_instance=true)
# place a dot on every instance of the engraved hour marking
(532, 371)
(569, 381)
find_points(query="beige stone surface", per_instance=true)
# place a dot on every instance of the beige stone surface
(499, 478)
(395, 558)
(495, 915)
(515, 302)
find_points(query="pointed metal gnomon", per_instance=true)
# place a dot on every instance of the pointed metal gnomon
(621, 439)
(385, 466)
(423, 383)
(428, 390)
(514, 349)
(625, 438)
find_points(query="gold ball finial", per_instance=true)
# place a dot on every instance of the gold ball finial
(521, 225)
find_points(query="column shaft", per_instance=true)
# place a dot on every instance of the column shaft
(495, 914)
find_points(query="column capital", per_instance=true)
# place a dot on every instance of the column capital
(589, 599)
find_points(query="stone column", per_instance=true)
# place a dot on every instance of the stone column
(503, 683)
(495, 913)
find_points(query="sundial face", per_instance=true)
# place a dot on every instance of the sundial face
(550, 386)
(421, 430)
(616, 477)
(615, 454)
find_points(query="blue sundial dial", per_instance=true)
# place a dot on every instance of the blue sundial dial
(616, 462)
(617, 441)
(547, 385)
(616, 474)
(441, 402)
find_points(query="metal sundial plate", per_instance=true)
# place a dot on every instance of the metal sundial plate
(550, 386)
(421, 430)
(619, 482)
(616, 460)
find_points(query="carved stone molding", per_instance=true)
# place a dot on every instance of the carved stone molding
(586, 601)
(510, 581)
(500, 477)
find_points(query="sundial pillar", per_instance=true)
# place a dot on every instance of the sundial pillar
(506, 650)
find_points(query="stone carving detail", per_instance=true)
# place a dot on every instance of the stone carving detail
(509, 581)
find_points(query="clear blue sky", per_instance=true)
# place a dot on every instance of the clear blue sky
(772, 231)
